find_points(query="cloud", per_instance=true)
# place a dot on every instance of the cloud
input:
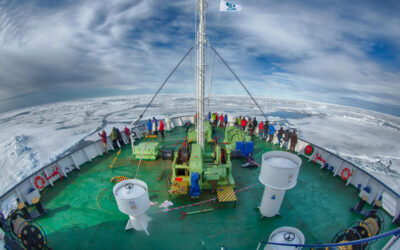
(320, 49)
(289, 49)
(91, 44)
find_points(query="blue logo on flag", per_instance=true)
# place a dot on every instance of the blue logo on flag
(231, 6)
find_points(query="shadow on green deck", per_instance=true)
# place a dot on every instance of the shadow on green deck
(82, 212)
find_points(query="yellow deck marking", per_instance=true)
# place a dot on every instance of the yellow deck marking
(115, 158)
(226, 194)
(179, 187)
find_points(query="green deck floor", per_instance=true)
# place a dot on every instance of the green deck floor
(82, 212)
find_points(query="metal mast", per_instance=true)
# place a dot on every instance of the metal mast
(200, 76)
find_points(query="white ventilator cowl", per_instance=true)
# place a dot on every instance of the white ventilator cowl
(279, 172)
(132, 198)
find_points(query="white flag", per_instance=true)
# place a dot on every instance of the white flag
(225, 6)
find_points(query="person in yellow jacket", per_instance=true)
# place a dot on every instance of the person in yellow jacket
(114, 138)
(214, 118)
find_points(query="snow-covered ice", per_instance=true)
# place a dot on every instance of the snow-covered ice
(33, 137)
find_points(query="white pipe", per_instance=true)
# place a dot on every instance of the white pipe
(132, 127)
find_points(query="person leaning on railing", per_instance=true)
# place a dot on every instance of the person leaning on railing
(293, 140)
(271, 132)
(103, 136)
(127, 133)
(286, 137)
(114, 138)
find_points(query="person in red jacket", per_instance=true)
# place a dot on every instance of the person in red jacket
(127, 133)
(221, 120)
(244, 123)
(161, 128)
(261, 130)
(103, 136)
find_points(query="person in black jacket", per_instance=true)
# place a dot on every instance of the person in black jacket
(286, 137)
(114, 138)
(280, 134)
(119, 137)
(293, 140)
(266, 129)
(255, 123)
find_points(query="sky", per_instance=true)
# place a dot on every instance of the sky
(343, 52)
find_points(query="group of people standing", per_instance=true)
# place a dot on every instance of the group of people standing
(249, 125)
(267, 131)
(218, 120)
(153, 128)
(116, 138)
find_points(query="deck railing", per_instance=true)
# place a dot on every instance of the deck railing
(369, 186)
(359, 242)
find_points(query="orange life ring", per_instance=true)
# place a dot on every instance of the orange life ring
(342, 174)
(36, 182)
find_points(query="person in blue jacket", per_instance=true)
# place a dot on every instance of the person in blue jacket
(271, 132)
(225, 120)
(149, 127)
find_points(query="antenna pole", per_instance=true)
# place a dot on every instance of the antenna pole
(200, 44)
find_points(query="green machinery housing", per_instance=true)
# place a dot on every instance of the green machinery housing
(148, 150)
(213, 164)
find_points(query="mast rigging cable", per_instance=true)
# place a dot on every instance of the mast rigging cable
(213, 65)
(226, 64)
(162, 85)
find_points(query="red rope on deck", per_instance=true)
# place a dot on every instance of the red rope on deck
(255, 163)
